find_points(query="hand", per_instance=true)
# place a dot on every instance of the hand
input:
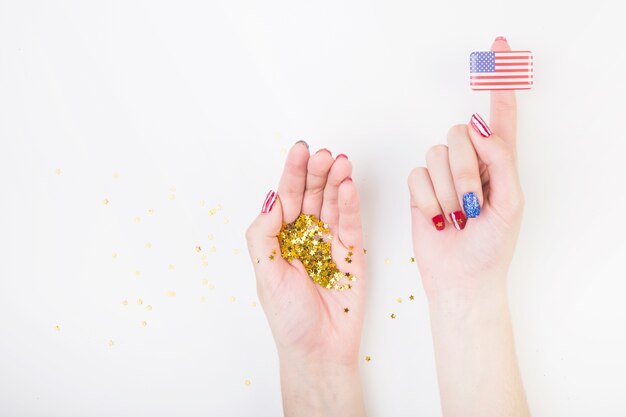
(474, 176)
(317, 330)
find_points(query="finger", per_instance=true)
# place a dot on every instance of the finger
(424, 199)
(465, 173)
(505, 192)
(317, 174)
(503, 104)
(341, 169)
(349, 230)
(293, 180)
(263, 245)
(438, 164)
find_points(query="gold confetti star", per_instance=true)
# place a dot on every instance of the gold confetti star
(57, 171)
(271, 257)
(144, 323)
(257, 260)
(198, 249)
(57, 328)
(148, 245)
(139, 301)
(364, 251)
(172, 197)
(412, 259)
(387, 261)
(232, 299)
(137, 273)
(105, 201)
(213, 248)
(149, 307)
(439, 224)
(346, 310)
(202, 300)
(368, 358)
(393, 316)
(398, 300)
(170, 266)
(116, 175)
(150, 211)
(124, 302)
(171, 293)
(137, 220)
(307, 239)
(205, 281)
(235, 251)
(205, 263)
(211, 286)
(411, 297)
(226, 221)
(210, 237)
(111, 343)
(114, 255)
(247, 382)
(253, 304)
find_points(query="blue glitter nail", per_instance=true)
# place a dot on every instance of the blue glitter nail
(471, 205)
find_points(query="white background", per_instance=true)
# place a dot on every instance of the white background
(182, 107)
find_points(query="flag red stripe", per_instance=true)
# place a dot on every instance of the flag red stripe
(512, 57)
(503, 83)
(515, 70)
(491, 77)
(510, 64)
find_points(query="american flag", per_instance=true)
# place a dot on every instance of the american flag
(501, 70)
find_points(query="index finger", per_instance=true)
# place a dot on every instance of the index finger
(503, 119)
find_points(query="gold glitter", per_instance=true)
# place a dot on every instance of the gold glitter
(364, 251)
(148, 245)
(273, 251)
(346, 310)
(171, 293)
(144, 323)
(226, 221)
(387, 261)
(173, 189)
(368, 358)
(57, 328)
(411, 297)
(150, 211)
(114, 255)
(306, 239)
(393, 315)
(111, 343)
(257, 260)
(271, 257)
(172, 197)
(139, 301)
(247, 382)
(149, 307)
(205, 281)
(125, 302)
(213, 248)
(198, 249)
(105, 201)
(170, 267)
(116, 175)
(253, 304)
(412, 259)
(205, 263)
(202, 300)
(137, 273)
(137, 220)
(235, 251)
(350, 254)
(57, 171)
(232, 299)
(398, 300)
(211, 286)
(210, 237)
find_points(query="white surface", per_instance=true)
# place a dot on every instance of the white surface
(206, 97)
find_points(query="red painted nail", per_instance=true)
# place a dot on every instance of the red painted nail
(480, 126)
(439, 222)
(458, 219)
(324, 150)
(270, 199)
(501, 38)
(341, 155)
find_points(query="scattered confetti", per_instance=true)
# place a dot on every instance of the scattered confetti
(368, 358)
(253, 304)
(411, 297)
(149, 307)
(205, 263)
(171, 293)
(148, 245)
(57, 328)
(170, 267)
(398, 300)
(57, 171)
(213, 248)
(137, 220)
(172, 197)
(226, 221)
(114, 255)
(111, 343)
(257, 260)
(139, 301)
(198, 249)
(393, 315)
(412, 259)
(137, 273)
(247, 382)
(210, 237)
(346, 310)
(125, 302)
(232, 299)
(202, 300)
(144, 323)
(304, 239)
(364, 251)
(116, 175)
(271, 257)
(205, 281)
(235, 251)
(211, 287)
(150, 211)
(105, 201)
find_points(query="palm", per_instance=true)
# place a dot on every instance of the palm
(304, 316)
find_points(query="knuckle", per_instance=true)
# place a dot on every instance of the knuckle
(437, 152)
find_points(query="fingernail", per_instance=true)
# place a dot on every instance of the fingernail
(270, 199)
(324, 150)
(458, 219)
(342, 155)
(500, 38)
(439, 222)
(304, 143)
(480, 126)
(471, 205)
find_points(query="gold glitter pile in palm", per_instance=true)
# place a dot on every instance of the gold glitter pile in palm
(308, 239)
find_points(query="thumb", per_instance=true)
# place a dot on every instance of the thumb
(505, 192)
(263, 242)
